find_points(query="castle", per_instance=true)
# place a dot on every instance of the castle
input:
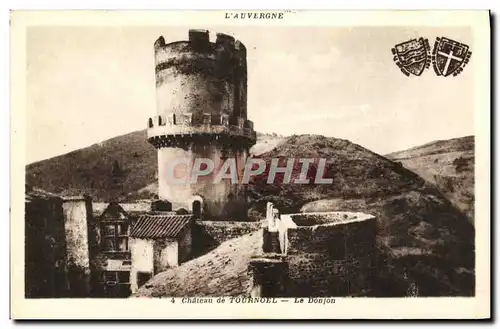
(201, 90)
(111, 250)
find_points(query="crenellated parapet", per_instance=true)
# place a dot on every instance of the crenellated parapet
(199, 47)
(195, 120)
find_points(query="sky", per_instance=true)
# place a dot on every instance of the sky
(89, 84)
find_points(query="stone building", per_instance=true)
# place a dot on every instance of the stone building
(77, 212)
(45, 245)
(201, 90)
(158, 241)
(57, 256)
(111, 247)
(76, 248)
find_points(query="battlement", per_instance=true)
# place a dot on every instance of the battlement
(199, 47)
(163, 127)
(192, 119)
(200, 39)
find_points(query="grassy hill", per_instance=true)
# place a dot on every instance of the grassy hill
(448, 164)
(424, 242)
(111, 170)
(121, 168)
(422, 237)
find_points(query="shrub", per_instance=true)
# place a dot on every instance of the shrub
(460, 164)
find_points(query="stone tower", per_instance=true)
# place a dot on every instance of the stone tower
(201, 92)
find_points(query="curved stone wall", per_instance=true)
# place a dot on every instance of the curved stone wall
(198, 76)
(330, 254)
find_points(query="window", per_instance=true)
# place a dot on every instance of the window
(143, 277)
(114, 237)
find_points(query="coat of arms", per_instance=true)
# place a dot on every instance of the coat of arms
(412, 56)
(449, 57)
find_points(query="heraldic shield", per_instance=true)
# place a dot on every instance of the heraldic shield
(412, 56)
(449, 57)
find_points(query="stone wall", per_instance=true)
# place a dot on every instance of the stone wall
(185, 244)
(77, 212)
(269, 276)
(331, 259)
(75, 223)
(271, 243)
(222, 200)
(283, 225)
(223, 231)
(198, 75)
(209, 234)
(45, 249)
(142, 254)
(166, 254)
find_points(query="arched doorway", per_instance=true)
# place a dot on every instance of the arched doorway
(196, 206)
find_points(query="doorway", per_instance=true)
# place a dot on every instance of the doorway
(143, 277)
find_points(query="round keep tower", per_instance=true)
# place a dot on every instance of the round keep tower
(201, 92)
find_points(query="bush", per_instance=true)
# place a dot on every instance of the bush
(460, 164)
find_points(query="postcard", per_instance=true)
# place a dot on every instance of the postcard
(250, 165)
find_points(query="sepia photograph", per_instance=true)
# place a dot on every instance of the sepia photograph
(251, 159)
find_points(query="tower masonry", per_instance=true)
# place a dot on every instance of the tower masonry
(201, 92)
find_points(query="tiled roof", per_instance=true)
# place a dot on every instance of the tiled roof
(154, 226)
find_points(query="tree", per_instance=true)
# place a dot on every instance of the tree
(116, 172)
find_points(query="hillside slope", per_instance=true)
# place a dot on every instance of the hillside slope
(425, 244)
(221, 272)
(422, 237)
(449, 164)
(121, 168)
(109, 170)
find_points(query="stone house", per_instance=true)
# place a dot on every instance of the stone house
(159, 240)
(111, 258)
(45, 245)
(56, 244)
